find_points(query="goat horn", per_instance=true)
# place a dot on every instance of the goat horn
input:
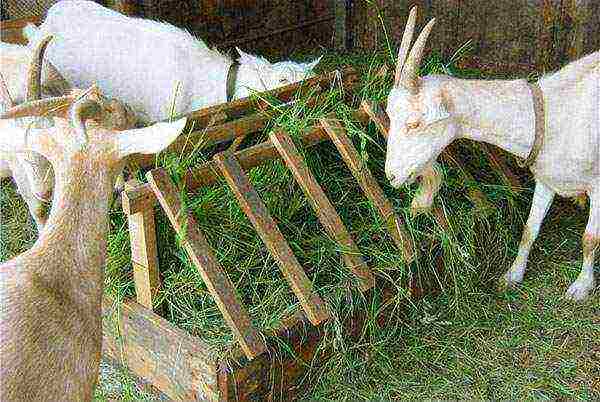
(410, 72)
(82, 110)
(49, 107)
(5, 94)
(409, 31)
(34, 82)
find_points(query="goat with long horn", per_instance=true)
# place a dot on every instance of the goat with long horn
(552, 124)
(51, 295)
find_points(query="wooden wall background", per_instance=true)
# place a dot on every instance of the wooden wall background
(508, 35)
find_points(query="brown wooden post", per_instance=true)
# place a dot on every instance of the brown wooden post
(144, 257)
(209, 268)
(255, 210)
(325, 211)
(366, 24)
(340, 28)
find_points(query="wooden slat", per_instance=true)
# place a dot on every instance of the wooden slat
(208, 173)
(11, 31)
(238, 107)
(382, 122)
(325, 211)
(127, 7)
(203, 258)
(178, 364)
(267, 229)
(142, 235)
(367, 182)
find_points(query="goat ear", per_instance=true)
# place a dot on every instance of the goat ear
(149, 140)
(247, 58)
(310, 66)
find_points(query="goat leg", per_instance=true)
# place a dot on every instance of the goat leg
(542, 198)
(583, 285)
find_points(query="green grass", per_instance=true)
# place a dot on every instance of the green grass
(467, 342)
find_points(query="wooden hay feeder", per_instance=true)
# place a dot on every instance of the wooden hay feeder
(181, 365)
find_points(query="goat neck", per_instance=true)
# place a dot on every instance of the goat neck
(497, 112)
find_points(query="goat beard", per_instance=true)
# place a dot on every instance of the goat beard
(430, 182)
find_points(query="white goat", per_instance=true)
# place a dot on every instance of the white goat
(31, 172)
(428, 113)
(153, 67)
(50, 296)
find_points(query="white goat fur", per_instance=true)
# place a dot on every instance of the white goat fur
(149, 65)
(427, 114)
(31, 172)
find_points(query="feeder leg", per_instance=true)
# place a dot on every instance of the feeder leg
(142, 235)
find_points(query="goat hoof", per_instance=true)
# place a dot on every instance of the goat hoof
(579, 291)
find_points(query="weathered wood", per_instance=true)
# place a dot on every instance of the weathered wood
(238, 107)
(339, 28)
(203, 258)
(142, 236)
(178, 364)
(11, 31)
(268, 231)
(208, 173)
(325, 211)
(369, 185)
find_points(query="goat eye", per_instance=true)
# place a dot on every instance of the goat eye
(413, 125)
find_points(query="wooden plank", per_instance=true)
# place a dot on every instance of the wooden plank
(208, 173)
(142, 236)
(267, 229)
(127, 7)
(238, 107)
(202, 256)
(179, 365)
(369, 185)
(325, 211)
(11, 31)
(291, 28)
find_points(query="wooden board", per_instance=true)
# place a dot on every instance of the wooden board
(144, 256)
(203, 258)
(268, 231)
(179, 365)
(237, 108)
(208, 173)
(11, 31)
(369, 185)
(325, 211)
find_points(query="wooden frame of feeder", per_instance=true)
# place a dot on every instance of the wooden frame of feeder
(180, 365)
